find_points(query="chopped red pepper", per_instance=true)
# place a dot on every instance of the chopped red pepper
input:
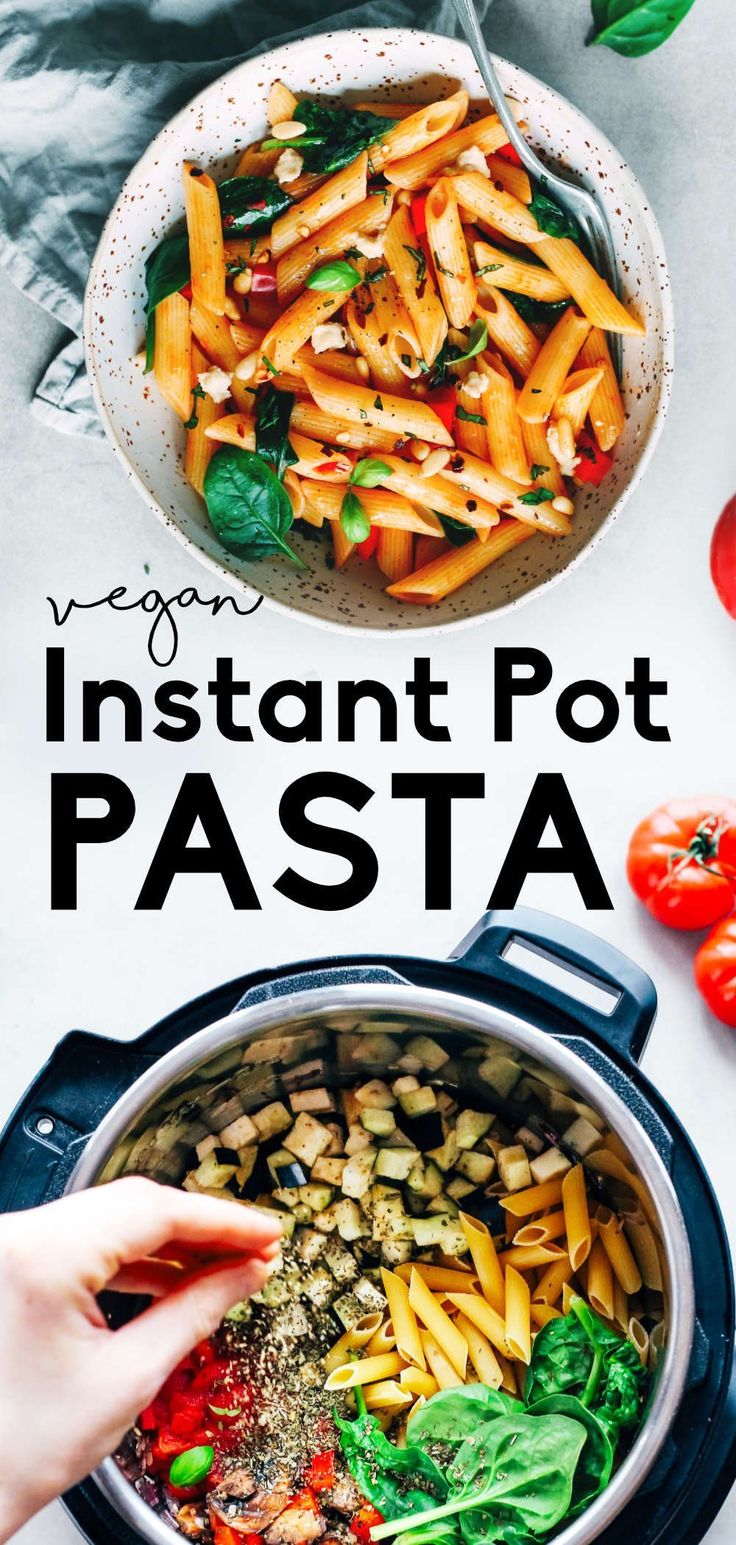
(168, 1444)
(224, 1535)
(507, 153)
(367, 548)
(305, 1500)
(325, 467)
(263, 279)
(443, 402)
(149, 1419)
(418, 213)
(212, 1373)
(187, 1493)
(204, 1352)
(365, 1519)
(321, 1473)
(594, 463)
(186, 291)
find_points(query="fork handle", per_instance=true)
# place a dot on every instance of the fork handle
(468, 18)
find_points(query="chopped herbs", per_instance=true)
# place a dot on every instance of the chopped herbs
(378, 404)
(420, 261)
(536, 496)
(197, 392)
(536, 470)
(488, 268)
(272, 429)
(544, 311)
(270, 368)
(446, 271)
(376, 274)
(469, 418)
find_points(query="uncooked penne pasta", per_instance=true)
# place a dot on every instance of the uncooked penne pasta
(541, 1230)
(353, 1339)
(552, 1281)
(404, 1320)
(482, 1314)
(481, 1353)
(172, 354)
(363, 405)
(206, 249)
(416, 285)
(600, 1281)
(577, 1217)
(387, 1395)
(521, 1204)
(505, 441)
(442, 1369)
(525, 1257)
(618, 1250)
(365, 1370)
(383, 1340)
(518, 1319)
(449, 252)
(343, 191)
(395, 552)
(597, 302)
(438, 1323)
(454, 568)
(607, 415)
(551, 367)
(513, 273)
(485, 1261)
(441, 1279)
(417, 1380)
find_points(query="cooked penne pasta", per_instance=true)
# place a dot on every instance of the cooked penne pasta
(575, 399)
(329, 241)
(371, 338)
(362, 405)
(454, 568)
(577, 1217)
(513, 178)
(503, 426)
(439, 494)
(172, 354)
(281, 105)
(539, 456)
(214, 334)
(343, 191)
(395, 552)
(607, 415)
(509, 272)
(421, 167)
(206, 249)
(481, 481)
(597, 302)
(551, 367)
(342, 547)
(449, 252)
(295, 328)
(200, 448)
(233, 429)
(319, 424)
(510, 333)
(416, 285)
(382, 508)
(406, 1329)
(419, 129)
(497, 208)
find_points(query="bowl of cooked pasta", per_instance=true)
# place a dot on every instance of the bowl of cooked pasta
(354, 358)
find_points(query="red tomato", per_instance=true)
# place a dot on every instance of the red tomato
(507, 153)
(594, 463)
(715, 971)
(186, 1493)
(367, 548)
(263, 279)
(167, 1445)
(365, 1519)
(682, 862)
(211, 1374)
(149, 1419)
(224, 1535)
(443, 402)
(418, 213)
(321, 1473)
(723, 557)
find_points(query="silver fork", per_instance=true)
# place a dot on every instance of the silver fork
(576, 201)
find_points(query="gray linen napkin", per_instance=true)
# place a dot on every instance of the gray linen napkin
(84, 86)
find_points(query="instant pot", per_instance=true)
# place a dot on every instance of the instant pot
(527, 988)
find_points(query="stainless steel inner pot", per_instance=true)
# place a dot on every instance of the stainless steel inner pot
(358, 1031)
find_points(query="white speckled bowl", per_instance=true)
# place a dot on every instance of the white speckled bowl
(401, 63)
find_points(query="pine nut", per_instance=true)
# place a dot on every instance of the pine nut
(246, 368)
(363, 368)
(404, 196)
(290, 129)
(232, 309)
(563, 506)
(434, 462)
(264, 256)
(242, 282)
(419, 450)
(303, 231)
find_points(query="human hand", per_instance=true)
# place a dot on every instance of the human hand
(71, 1386)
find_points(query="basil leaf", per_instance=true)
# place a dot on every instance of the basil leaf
(477, 340)
(537, 469)
(457, 534)
(353, 519)
(333, 276)
(469, 418)
(636, 27)
(545, 311)
(451, 354)
(337, 135)
(419, 259)
(192, 1466)
(536, 496)
(551, 219)
(167, 270)
(369, 472)
(247, 505)
(251, 203)
(272, 429)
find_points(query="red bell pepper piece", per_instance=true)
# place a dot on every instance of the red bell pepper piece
(186, 291)
(187, 1493)
(212, 1373)
(168, 1444)
(594, 463)
(365, 1519)
(224, 1535)
(443, 402)
(367, 548)
(321, 1473)
(204, 1352)
(305, 1500)
(263, 279)
(418, 213)
(507, 153)
(149, 1419)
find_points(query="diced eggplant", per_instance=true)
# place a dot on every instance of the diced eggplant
(292, 1320)
(316, 1196)
(375, 1095)
(326, 1221)
(425, 1179)
(357, 1139)
(313, 1072)
(379, 1122)
(443, 1203)
(445, 1103)
(351, 1107)
(293, 1201)
(337, 1139)
(406, 1084)
(488, 1210)
(417, 1102)
(458, 1188)
(369, 1296)
(318, 1286)
(207, 1145)
(471, 1126)
(371, 1045)
(348, 1310)
(441, 1230)
(390, 1221)
(213, 1174)
(582, 1136)
(446, 1155)
(501, 1072)
(287, 1172)
(430, 1053)
(307, 1139)
(533, 1143)
(427, 1130)
(239, 1134)
(320, 1101)
(340, 1262)
(356, 1176)
(310, 1245)
(246, 1163)
(394, 1252)
(272, 1120)
(351, 1222)
(286, 1219)
(328, 1170)
(513, 1168)
(476, 1166)
(394, 1163)
(551, 1165)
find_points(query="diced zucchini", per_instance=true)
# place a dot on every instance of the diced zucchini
(207, 1145)
(291, 1199)
(390, 1221)
(348, 1310)
(375, 1095)
(307, 1139)
(356, 1176)
(476, 1166)
(212, 1174)
(316, 1196)
(357, 1139)
(340, 1262)
(396, 1251)
(445, 1156)
(329, 1170)
(326, 1221)
(551, 1165)
(424, 1178)
(417, 1102)
(369, 1296)
(271, 1120)
(286, 1219)
(286, 1171)
(407, 1084)
(319, 1100)
(430, 1053)
(381, 1123)
(471, 1126)
(445, 1103)
(395, 1163)
(582, 1136)
(276, 1292)
(319, 1287)
(374, 1046)
(239, 1134)
(459, 1187)
(501, 1072)
(442, 1230)
(351, 1223)
(310, 1245)
(513, 1168)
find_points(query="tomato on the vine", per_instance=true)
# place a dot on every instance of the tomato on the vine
(723, 557)
(682, 862)
(715, 971)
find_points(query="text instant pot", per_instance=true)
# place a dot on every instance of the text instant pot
(290, 711)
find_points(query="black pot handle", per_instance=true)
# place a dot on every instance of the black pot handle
(332, 976)
(624, 1027)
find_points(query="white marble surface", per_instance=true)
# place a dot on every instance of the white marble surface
(73, 527)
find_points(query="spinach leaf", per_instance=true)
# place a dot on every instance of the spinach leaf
(389, 1476)
(546, 311)
(336, 135)
(251, 204)
(444, 1533)
(167, 270)
(561, 1360)
(452, 1414)
(272, 429)
(550, 218)
(636, 27)
(457, 533)
(593, 1469)
(247, 505)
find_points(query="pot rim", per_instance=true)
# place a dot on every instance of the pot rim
(398, 1000)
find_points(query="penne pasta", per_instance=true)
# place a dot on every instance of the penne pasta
(618, 1250)
(497, 208)
(454, 568)
(395, 552)
(419, 129)
(438, 1323)
(172, 354)
(443, 1279)
(508, 272)
(577, 1217)
(440, 495)
(513, 178)
(539, 456)
(416, 286)
(443, 1371)
(518, 1318)
(383, 1340)
(541, 1314)
(363, 405)
(607, 416)
(505, 445)
(199, 447)
(507, 330)
(281, 105)
(366, 1370)
(295, 328)
(485, 1261)
(406, 1329)
(484, 1316)
(480, 480)
(382, 508)
(600, 1281)
(449, 252)
(551, 367)
(343, 191)
(358, 1336)
(214, 334)
(575, 399)
(418, 1381)
(481, 1353)
(387, 1395)
(551, 1226)
(298, 262)
(319, 424)
(597, 302)
(371, 337)
(521, 1204)
(524, 1257)
(552, 1281)
(421, 167)
(342, 547)
(206, 249)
